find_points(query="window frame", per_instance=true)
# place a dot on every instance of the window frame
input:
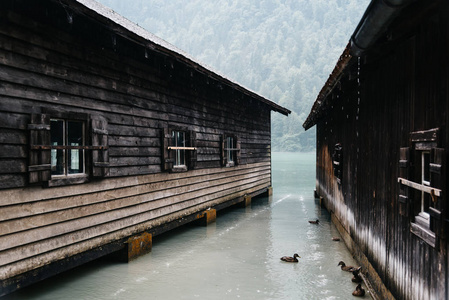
(77, 178)
(68, 148)
(171, 151)
(95, 148)
(420, 179)
(422, 216)
(230, 151)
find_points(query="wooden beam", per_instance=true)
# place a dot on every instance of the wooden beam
(420, 187)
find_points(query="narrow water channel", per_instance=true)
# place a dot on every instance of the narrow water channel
(235, 258)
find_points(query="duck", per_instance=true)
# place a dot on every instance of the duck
(356, 278)
(314, 222)
(359, 291)
(346, 268)
(290, 259)
(336, 239)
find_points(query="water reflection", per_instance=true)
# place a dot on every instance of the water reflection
(235, 258)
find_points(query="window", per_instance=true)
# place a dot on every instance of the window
(230, 151)
(179, 150)
(422, 216)
(420, 181)
(61, 153)
(67, 151)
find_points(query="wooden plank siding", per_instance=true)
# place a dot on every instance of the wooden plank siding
(32, 85)
(48, 220)
(398, 89)
(95, 70)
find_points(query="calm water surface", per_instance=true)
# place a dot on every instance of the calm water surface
(235, 258)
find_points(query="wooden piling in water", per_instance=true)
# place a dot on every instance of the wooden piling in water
(246, 201)
(206, 217)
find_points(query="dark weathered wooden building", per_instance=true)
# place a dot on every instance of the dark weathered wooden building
(108, 133)
(382, 146)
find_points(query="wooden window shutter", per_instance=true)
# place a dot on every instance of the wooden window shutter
(193, 153)
(238, 152)
(100, 146)
(40, 154)
(167, 160)
(404, 172)
(224, 159)
(436, 181)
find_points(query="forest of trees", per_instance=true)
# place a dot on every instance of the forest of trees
(283, 50)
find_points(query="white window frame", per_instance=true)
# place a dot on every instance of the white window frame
(230, 151)
(65, 148)
(423, 216)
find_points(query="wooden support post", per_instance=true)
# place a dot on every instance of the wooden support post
(136, 246)
(270, 191)
(246, 201)
(207, 217)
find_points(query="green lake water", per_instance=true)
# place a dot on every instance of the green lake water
(237, 257)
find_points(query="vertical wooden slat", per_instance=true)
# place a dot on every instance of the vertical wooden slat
(238, 154)
(193, 153)
(100, 157)
(167, 161)
(40, 159)
(224, 159)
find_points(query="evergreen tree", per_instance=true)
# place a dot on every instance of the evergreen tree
(283, 50)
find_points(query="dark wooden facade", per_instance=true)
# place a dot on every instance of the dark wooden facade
(126, 92)
(382, 122)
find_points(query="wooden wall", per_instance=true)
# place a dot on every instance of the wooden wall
(390, 92)
(82, 68)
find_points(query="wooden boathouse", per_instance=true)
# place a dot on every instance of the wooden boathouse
(382, 147)
(109, 136)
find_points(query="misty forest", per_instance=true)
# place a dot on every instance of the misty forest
(283, 50)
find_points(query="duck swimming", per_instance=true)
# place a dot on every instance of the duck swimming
(356, 278)
(314, 222)
(359, 291)
(346, 268)
(290, 259)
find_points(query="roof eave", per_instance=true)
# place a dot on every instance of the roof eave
(131, 31)
(377, 17)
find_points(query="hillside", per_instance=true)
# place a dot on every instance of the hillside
(281, 49)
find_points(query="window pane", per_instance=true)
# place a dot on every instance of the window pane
(179, 141)
(426, 166)
(75, 138)
(57, 139)
(229, 145)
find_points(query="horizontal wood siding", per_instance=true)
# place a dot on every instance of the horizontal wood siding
(403, 91)
(45, 220)
(68, 74)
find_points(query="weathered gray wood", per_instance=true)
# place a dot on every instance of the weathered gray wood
(133, 215)
(384, 118)
(10, 136)
(99, 136)
(9, 166)
(12, 151)
(38, 200)
(431, 135)
(39, 159)
(12, 181)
